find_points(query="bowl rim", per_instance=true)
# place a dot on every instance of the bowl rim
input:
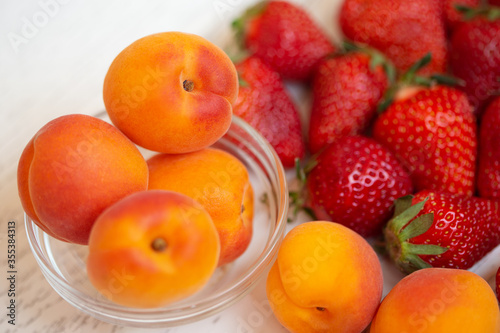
(200, 309)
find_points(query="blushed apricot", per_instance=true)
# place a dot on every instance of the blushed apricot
(162, 244)
(437, 300)
(72, 169)
(220, 183)
(171, 92)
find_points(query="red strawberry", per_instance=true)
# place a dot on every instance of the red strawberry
(346, 90)
(494, 2)
(355, 183)
(433, 133)
(475, 57)
(264, 103)
(285, 37)
(449, 231)
(498, 284)
(452, 16)
(488, 179)
(403, 30)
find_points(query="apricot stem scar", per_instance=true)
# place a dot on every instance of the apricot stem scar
(320, 308)
(188, 85)
(159, 244)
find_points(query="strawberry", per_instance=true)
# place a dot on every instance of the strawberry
(403, 30)
(488, 179)
(264, 103)
(355, 182)
(284, 36)
(498, 284)
(452, 16)
(346, 90)
(475, 56)
(433, 133)
(437, 229)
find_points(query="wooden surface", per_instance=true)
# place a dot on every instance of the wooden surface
(53, 58)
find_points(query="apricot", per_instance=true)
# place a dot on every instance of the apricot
(152, 248)
(220, 183)
(72, 169)
(326, 278)
(437, 300)
(171, 92)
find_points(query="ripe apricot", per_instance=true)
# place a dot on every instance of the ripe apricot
(72, 169)
(437, 300)
(217, 180)
(163, 245)
(327, 278)
(171, 92)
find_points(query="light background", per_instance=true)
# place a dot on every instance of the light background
(54, 55)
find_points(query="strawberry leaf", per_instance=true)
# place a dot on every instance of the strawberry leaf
(239, 25)
(398, 222)
(403, 204)
(492, 13)
(299, 171)
(377, 58)
(447, 80)
(350, 46)
(402, 252)
(424, 249)
(409, 76)
(388, 98)
(417, 227)
(242, 82)
(416, 263)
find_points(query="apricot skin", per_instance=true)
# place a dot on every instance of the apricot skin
(122, 243)
(171, 92)
(326, 278)
(72, 169)
(437, 300)
(217, 180)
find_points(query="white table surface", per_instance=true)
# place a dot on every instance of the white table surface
(54, 55)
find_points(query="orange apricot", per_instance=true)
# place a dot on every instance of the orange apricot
(327, 278)
(437, 300)
(72, 169)
(163, 245)
(171, 92)
(220, 183)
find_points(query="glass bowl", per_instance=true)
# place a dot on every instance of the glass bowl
(63, 264)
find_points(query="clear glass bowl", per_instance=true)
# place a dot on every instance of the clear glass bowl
(63, 264)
